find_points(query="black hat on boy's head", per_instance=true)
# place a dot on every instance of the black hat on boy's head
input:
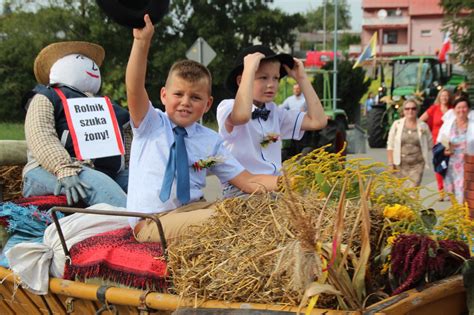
(231, 81)
(130, 13)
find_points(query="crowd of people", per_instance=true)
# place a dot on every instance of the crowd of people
(442, 129)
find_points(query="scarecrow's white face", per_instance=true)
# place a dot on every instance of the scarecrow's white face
(77, 71)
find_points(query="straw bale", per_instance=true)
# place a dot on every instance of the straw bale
(257, 249)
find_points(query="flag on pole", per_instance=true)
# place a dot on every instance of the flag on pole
(445, 48)
(369, 51)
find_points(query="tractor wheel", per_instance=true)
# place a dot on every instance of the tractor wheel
(334, 134)
(376, 128)
(285, 154)
(341, 137)
(327, 136)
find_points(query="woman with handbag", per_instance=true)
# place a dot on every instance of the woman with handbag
(453, 135)
(433, 117)
(408, 145)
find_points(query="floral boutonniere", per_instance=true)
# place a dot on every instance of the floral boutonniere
(206, 163)
(269, 138)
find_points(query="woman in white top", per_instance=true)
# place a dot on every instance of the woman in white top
(408, 146)
(454, 134)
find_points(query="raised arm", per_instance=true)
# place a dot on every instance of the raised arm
(137, 97)
(242, 110)
(315, 117)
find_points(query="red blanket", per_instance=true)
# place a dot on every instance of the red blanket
(41, 202)
(118, 257)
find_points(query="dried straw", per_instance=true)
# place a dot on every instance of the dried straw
(257, 249)
(11, 178)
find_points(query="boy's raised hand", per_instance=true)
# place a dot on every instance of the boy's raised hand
(297, 72)
(145, 33)
(252, 61)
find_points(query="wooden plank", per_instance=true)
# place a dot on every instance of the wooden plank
(128, 310)
(7, 294)
(54, 303)
(28, 304)
(38, 301)
(450, 291)
(5, 309)
(79, 306)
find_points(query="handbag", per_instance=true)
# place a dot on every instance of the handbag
(440, 161)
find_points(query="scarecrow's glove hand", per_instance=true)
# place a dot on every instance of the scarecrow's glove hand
(73, 187)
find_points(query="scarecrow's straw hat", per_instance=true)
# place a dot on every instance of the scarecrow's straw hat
(51, 53)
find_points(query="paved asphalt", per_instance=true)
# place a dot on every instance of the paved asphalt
(213, 192)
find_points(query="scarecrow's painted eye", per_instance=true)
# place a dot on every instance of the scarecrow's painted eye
(80, 57)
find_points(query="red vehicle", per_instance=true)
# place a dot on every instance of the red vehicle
(317, 59)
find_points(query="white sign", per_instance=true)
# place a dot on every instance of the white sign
(93, 127)
(201, 52)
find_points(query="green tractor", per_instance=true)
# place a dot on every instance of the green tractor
(419, 77)
(334, 133)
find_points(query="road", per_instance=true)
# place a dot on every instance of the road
(213, 192)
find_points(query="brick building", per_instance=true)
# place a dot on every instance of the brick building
(405, 27)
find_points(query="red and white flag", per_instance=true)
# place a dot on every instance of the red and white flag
(445, 48)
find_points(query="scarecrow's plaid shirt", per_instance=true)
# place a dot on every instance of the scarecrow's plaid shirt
(45, 147)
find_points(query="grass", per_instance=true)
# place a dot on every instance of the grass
(12, 131)
(16, 131)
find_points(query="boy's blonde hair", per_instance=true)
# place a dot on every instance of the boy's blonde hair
(190, 71)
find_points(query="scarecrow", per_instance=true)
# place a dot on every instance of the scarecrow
(74, 137)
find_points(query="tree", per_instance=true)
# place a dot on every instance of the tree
(25, 32)
(459, 21)
(315, 18)
(351, 86)
(227, 26)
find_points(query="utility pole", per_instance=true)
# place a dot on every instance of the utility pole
(324, 25)
(334, 74)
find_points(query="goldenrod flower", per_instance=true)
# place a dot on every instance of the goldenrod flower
(398, 212)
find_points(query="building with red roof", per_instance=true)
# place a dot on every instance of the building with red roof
(404, 27)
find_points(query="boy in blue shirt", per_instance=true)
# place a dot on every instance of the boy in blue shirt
(171, 153)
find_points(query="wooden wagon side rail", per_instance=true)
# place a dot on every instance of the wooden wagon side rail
(447, 296)
(152, 300)
(443, 297)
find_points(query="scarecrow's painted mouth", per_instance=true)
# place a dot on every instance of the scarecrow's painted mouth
(92, 75)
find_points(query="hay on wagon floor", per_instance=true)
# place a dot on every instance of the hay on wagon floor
(260, 249)
(11, 182)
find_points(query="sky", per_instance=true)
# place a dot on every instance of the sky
(294, 6)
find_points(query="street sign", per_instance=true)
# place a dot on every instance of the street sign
(201, 52)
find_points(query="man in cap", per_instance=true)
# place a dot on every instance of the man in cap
(69, 72)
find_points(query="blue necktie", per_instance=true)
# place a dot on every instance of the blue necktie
(177, 163)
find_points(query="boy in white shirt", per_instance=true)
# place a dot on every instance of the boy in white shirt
(252, 125)
(171, 153)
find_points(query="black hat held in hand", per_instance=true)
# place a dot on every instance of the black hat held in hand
(130, 13)
(231, 81)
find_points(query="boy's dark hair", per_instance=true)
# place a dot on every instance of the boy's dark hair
(190, 71)
(231, 83)
(463, 97)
